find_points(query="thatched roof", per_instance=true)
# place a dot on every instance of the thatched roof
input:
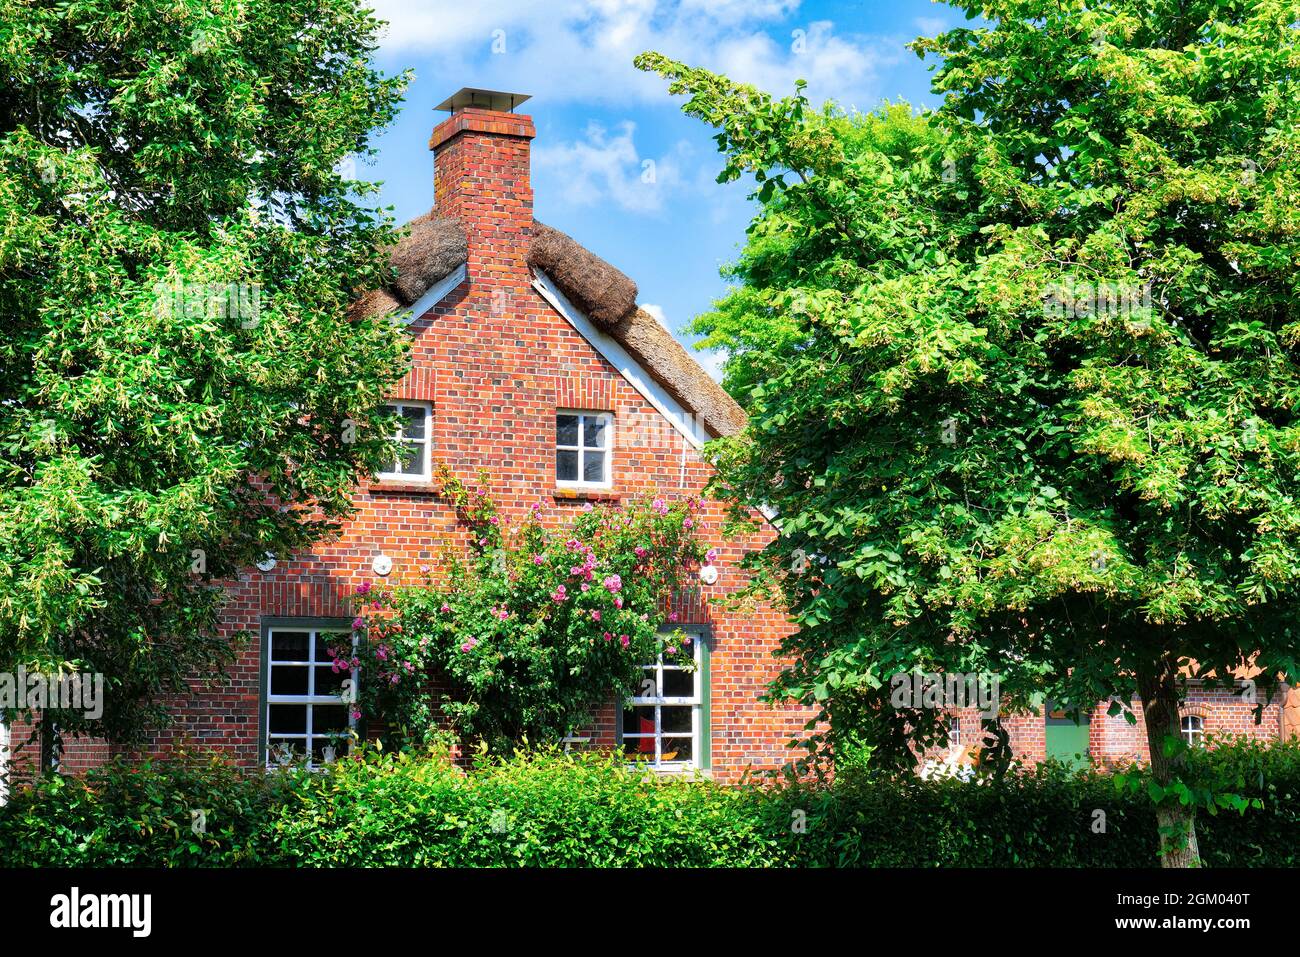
(435, 247)
(590, 283)
(608, 298)
(677, 371)
(432, 249)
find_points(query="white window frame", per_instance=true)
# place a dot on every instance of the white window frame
(581, 448)
(954, 731)
(1191, 727)
(426, 461)
(310, 700)
(658, 702)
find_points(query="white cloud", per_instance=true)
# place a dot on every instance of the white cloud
(572, 50)
(931, 26)
(606, 168)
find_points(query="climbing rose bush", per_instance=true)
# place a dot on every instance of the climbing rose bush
(529, 628)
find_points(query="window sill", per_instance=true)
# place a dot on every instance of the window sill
(587, 495)
(395, 487)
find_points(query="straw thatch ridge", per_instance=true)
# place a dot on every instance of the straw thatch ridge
(603, 293)
(433, 248)
(676, 370)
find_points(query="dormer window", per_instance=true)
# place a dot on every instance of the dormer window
(582, 449)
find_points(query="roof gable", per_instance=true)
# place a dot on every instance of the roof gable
(430, 261)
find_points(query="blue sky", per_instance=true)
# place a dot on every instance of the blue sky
(599, 120)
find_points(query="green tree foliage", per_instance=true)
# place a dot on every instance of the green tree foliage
(181, 389)
(1022, 373)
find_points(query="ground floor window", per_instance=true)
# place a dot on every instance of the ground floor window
(665, 724)
(306, 711)
(1193, 730)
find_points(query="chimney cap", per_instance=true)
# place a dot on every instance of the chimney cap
(483, 100)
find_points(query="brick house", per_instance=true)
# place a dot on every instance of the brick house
(1107, 741)
(532, 359)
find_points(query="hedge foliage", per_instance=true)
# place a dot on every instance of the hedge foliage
(546, 809)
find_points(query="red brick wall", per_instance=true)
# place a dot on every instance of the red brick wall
(496, 361)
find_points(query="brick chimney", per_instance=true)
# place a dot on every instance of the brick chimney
(481, 177)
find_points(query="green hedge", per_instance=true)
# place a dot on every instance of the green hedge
(552, 810)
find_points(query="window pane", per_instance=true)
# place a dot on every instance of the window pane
(593, 467)
(679, 684)
(288, 646)
(593, 431)
(340, 641)
(288, 718)
(412, 460)
(677, 749)
(288, 679)
(677, 718)
(279, 748)
(639, 720)
(566, 466)
(329, 719)
(413, 422)
(325, 751)
(566, 430)
(329, 681)
(642, 748)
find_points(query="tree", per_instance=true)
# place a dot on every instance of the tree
(181, 388)
(1031, 410)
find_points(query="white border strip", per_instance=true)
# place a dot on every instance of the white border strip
(685, 422)
(436, 294)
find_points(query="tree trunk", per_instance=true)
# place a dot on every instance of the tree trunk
(1177, 822)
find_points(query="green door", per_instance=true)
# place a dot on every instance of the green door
(1067, 741)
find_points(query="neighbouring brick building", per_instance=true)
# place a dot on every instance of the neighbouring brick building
(533, 360)
(1108, 741)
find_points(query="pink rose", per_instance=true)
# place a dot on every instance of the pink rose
(624, 640)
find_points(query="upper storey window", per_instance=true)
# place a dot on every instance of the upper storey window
(582, 449)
